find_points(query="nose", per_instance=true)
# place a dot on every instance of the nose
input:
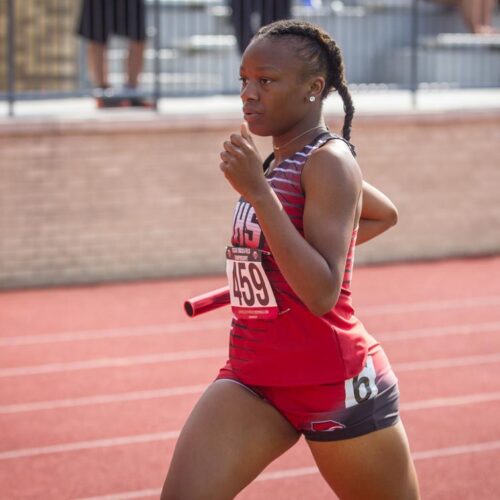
(249, 92)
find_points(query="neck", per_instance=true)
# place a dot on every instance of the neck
(287, 144)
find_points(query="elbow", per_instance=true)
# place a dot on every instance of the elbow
(388, 219)
(323, 304)
(393, 217)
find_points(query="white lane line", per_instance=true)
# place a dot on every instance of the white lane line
(424, 404)
(443, 305)
(199, 327)
(127, 495)
(447, 362)
(92, 364)
(456, 450)
(441, 331)
(198, 389)
(307, 471)
(121, 441)
(418, 455)
(102, 399)
(282, 474)
(141, 331)
(88, 445)
(213, 353)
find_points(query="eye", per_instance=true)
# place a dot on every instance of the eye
(243, 81)
(265, 81)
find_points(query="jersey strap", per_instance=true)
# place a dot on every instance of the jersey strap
(325, 137)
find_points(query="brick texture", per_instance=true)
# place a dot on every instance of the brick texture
(45, 45)
(86, 202)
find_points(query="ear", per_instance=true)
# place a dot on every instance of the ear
(317, 86)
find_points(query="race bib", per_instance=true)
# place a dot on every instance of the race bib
(251, 294)
(361, 387)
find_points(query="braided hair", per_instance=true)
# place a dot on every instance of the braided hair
(321, 56)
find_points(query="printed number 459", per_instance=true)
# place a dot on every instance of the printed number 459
(249, 284)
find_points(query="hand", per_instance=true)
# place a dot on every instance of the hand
(242, 164)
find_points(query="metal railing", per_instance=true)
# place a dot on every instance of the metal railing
(191, 48)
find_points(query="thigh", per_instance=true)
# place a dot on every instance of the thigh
(229, 438)
(377, 465)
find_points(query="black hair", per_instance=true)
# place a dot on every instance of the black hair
(321, 56)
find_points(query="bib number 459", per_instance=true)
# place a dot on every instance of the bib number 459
(250, 290)
(249, 285)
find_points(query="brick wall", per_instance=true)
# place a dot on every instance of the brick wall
(106, 200)
(45, 46)
(443, 172)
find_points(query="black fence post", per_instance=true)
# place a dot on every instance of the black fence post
(11, 50)
(414, 77)
(156, 45)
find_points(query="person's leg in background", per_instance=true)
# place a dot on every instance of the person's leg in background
(94, 28)
(96, 56)
(477, 15)
(130, 19)
(488, 7)
(135, 62)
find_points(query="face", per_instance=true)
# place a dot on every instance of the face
(273, 90)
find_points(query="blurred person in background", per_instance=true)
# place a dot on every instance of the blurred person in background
(99, 19)
(249, 15)
(477, 14)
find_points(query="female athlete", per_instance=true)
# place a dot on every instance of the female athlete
(300, 362)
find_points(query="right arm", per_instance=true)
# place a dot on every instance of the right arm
(378, 214)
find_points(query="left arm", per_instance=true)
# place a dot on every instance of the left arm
(378, 214)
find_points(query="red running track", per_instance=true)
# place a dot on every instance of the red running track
(95, 382)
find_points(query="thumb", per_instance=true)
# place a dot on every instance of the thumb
(245, 133)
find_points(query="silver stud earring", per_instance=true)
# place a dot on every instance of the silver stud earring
(312, 98)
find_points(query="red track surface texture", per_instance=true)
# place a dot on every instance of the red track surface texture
(96, 382)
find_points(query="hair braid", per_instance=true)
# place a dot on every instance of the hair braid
(327, 61)
(340, 84)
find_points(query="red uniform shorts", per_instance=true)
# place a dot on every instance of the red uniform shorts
(330, 412)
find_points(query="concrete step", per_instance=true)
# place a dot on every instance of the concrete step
(178, 84)
(195, 64)
(453, 68)
(454, 41)
(197, 42)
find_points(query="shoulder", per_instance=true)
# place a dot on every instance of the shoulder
(333, 167)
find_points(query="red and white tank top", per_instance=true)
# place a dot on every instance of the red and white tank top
(296, 348)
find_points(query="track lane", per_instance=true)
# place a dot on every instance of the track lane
(104, 381)
(449, 424)
(402, 349)
(45, 311)
(57, 427)
(215, 333)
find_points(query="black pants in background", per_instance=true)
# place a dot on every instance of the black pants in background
(101, 18)
(268, 10)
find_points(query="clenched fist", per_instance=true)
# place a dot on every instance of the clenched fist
(242, 165)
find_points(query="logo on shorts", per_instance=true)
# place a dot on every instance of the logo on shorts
(326, 425)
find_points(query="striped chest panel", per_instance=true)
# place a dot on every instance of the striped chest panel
(285, 179)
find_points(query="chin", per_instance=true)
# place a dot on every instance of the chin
(258, 129)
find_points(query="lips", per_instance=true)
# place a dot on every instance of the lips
(250, 110)
(250, 114)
